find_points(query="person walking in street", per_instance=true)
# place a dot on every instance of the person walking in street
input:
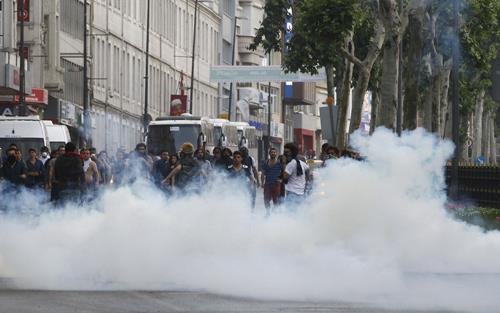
(187, 170)
(241, 172)
(44, 154)
(34, 170)
(51, 183)
(13, 170)
(139, 163)
(204, 164)
(227, 158)
(295, 176)
(271, 181)
(92, 175)
(104, 168)
(69, 174)
(251, 167)
(161, 168)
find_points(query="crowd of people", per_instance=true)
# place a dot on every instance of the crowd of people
(69, 174)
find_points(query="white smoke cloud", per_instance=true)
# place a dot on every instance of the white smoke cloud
(374, 231)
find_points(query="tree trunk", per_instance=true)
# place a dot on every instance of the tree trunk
(445, 87)
(344, 97)
(427, 107)
(330, 81)
(485, 140)
(478, 125)
(364, 72)
(466, 122)
(375, 106)
(412, 74)
(390, 64)
(436, 94)
(493, 141)
(358, 97)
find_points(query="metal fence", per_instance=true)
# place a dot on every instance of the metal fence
(479, 184)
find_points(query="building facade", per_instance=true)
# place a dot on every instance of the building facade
(116, 48)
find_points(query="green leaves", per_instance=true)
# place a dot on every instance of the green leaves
(319, 31)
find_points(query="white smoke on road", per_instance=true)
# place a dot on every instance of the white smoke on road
(374, 231)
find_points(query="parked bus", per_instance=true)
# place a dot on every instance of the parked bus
(24, 131)
(169, 133)
(247, 137)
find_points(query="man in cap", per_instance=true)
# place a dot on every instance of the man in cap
(187, 170)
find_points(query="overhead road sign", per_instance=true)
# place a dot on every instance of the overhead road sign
(249, 74)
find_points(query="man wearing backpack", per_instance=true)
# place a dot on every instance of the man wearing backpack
(296, 175)
(186, 171)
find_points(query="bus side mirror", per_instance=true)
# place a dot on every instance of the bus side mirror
(223, 141)
(243, 142)
(202, 139)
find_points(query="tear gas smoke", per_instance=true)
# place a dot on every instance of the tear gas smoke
(373, 231)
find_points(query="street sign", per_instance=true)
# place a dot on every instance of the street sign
(248, 74)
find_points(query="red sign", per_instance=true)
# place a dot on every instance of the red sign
(39, 96)
(26, 52)
(25, 14)
(178, 105)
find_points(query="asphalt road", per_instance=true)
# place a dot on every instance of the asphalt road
(16, 301)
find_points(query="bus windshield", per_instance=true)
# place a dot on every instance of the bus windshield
(171, 137)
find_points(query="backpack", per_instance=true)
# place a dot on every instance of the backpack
(190, 170)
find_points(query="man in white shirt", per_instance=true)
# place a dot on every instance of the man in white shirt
(295, 175)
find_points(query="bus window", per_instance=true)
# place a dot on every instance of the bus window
(171, 137)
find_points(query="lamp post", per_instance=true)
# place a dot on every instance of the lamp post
(145, 118)
(455, 105)
(86, 112)
(399, 116)
(22, 75)
(268, 112)
(192, 60)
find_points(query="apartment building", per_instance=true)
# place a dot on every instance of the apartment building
(116, 41)
(118, 45)
(34, 48)
(258, 99)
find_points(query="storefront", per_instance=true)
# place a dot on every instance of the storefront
(36, 103)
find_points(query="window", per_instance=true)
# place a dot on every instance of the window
(72, 18)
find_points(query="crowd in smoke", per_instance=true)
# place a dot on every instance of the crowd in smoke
(69, 174)
(372, 231)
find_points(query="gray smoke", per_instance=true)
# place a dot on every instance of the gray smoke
(373, 231)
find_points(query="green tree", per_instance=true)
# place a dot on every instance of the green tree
(321, 31)
(480, 39)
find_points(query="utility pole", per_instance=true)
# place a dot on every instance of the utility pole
(86, 112)
(192, 60)
(455, 106)
(145, 118)
(399, 116)
(268, 112)
(22, 75)
(232, 63)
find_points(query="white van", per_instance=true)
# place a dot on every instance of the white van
(58, 135)
(24, 131)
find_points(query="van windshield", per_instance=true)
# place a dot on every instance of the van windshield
(24, 144)
(54, 145)
(171, 137)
